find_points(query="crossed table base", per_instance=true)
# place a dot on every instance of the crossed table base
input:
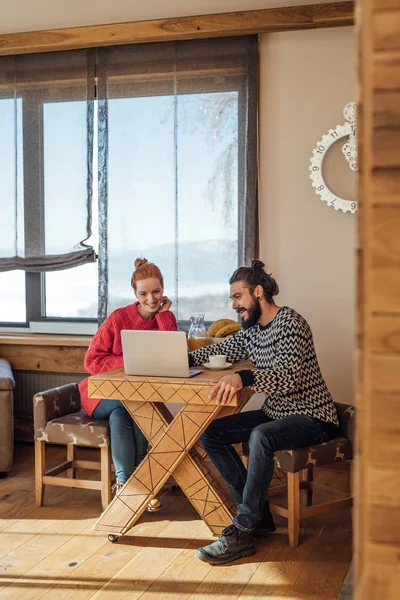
(174, 447)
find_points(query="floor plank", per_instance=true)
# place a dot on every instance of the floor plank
(138, 575)
(51, 553)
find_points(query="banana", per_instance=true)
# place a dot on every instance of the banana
(214, 327)
(231, 328)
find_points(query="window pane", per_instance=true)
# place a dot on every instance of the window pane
(12, 297)
(11, 179)
(72, 293)
(65, 174)
(179, 210)
(208, 202)
(141, 219)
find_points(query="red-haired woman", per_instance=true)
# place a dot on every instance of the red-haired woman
(151, 312)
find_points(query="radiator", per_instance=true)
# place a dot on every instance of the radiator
(28, 383)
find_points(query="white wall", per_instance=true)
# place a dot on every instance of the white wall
(306, 79)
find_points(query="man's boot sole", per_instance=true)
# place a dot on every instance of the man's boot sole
(205, 557)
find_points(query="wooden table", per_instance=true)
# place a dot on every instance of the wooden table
(174, 446)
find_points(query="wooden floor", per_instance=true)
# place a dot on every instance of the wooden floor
(51, 553)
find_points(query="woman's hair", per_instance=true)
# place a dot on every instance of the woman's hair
(145, 270)
(254, 276)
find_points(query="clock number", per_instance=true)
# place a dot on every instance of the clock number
(333, 201)
(353, 206)
(334, 134)
(320, 149)
(320, 188)
(315, 168)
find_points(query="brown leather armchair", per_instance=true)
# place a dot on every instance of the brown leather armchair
(6, 417)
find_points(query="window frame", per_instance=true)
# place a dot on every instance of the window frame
(33, 168)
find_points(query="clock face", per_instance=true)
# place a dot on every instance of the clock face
(316, 174)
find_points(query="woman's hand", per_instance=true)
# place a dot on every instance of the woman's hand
(165, 304)
(226, 388)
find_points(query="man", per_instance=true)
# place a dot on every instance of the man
(298, 409)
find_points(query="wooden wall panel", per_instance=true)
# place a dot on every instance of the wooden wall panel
(385, 240)
(384, 486)
(385, 186)
(52, 359)
(386, 74)
(385, 334)
(385, 411)
(386, 26)
(383, 451)
(377, 486)
(387, 110)
(386, 150)
(384, 371)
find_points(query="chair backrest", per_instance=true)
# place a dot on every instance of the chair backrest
(56, 402)
(346, 414)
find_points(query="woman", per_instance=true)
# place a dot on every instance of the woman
(151, 312)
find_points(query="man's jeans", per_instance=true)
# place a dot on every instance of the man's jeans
(265, 436)
(128, 444)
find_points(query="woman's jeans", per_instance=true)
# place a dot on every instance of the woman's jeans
(265, 436)
(128, 444)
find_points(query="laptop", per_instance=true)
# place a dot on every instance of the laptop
(156, 353)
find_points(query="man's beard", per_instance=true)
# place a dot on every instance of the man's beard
(253, 314)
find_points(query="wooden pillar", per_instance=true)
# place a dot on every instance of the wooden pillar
(377, 474)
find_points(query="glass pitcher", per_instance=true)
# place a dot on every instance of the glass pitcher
(198, 335)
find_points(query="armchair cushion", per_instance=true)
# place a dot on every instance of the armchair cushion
(292, 461)
(76, 428)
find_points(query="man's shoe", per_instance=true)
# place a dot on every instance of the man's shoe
(233, 544)
(266, 525)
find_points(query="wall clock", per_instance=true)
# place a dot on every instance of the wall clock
(349, 149)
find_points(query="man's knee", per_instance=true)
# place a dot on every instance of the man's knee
(209, 435)
(259, 438)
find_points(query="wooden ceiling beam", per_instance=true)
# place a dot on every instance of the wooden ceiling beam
(271, 20)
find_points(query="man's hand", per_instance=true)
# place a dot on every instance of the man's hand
(226, 388)
(165, 304)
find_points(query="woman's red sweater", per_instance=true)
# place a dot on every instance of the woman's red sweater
(105, 350)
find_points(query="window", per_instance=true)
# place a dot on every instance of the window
(158, 141)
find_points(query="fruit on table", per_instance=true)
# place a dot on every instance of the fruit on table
(218, 325)
(223, 328)
(229, 329)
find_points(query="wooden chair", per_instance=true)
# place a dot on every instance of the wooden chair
(301, 461)
(58, 419)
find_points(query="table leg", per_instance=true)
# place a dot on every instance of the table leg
(197, 481)
(195, 478)
(161, 461)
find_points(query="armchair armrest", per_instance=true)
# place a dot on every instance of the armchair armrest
(6, 375)
(56, 402)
